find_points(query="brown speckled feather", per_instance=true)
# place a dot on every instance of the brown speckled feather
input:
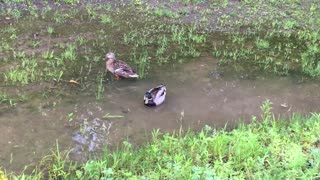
(118, 64)
(155, 91)
(118, 67)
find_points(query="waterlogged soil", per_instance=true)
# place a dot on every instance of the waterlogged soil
(198, 94)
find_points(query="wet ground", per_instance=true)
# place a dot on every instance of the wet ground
(198, 94)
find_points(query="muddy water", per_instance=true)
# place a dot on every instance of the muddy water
(197, 94)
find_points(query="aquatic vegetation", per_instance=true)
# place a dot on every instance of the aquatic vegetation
(100, 87)
(143, 62)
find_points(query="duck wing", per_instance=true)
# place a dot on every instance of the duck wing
(123, 69)
(158, 91)
(118, 64)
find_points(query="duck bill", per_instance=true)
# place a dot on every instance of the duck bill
(145, 100)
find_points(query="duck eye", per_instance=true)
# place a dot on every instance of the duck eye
(148, 95)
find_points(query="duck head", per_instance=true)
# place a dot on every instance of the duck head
(148, 101)
(148, 95)
(110, 55)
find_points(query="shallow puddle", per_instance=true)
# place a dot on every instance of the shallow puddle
(198, 94)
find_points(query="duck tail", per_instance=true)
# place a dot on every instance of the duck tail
(134, 75)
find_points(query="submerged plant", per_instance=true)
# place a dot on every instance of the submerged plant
(142, 61)
(100, 86)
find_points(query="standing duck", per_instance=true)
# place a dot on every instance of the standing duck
(118, 67)
(155, 96)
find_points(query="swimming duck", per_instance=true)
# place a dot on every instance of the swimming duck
(118, 67)
(155, 96)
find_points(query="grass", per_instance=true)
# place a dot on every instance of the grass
(100, 88)
(12, 99)
(25, 73)
(143, 63)
(5, 99)
(50, 56)
(271, 148)
(280, 37)
(268, 39)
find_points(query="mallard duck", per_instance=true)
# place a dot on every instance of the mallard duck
(155, 96)
(118, 67)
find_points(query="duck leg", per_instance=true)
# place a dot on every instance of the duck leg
(117, 78)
